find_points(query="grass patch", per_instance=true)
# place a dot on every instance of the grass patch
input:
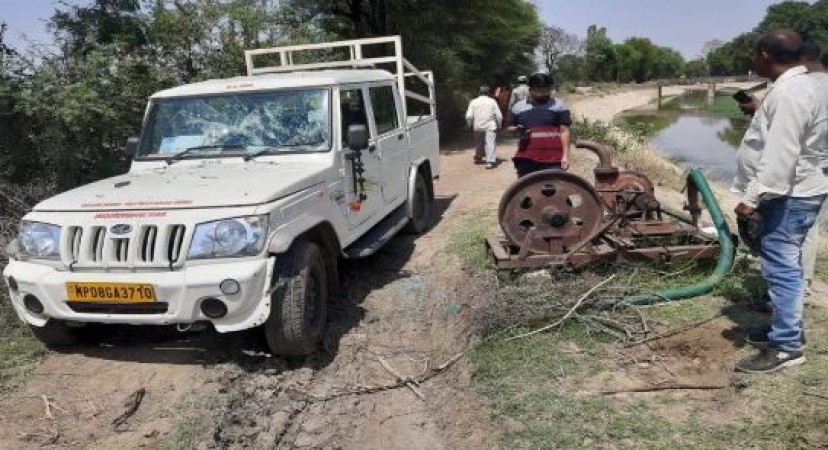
(543, 391)
(19, 356)
(536, 390)
(821, 266)
(186, 435)
(191, 423)
(467, 244)
(20, 352)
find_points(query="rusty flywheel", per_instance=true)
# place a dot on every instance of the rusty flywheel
(550, 211)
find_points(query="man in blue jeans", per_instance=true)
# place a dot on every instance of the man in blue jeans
(784, 187)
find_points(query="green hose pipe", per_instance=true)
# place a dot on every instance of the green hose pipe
(724, 264)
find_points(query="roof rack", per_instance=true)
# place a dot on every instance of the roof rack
(403, 68)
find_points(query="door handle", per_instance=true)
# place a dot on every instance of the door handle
(400, 136)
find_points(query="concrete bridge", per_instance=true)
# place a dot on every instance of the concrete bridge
(757, 87)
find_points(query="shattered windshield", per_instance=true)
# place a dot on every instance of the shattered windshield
(239, 125)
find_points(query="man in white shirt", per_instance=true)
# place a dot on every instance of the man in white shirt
(781, 174)
(484, 117)
(520, 93)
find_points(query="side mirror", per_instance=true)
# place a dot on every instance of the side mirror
(357, 138)
(131, 147)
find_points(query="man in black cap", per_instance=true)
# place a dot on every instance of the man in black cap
(545, 123)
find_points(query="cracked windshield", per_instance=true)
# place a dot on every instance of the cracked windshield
(247, 124)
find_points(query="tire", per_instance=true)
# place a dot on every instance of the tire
(299, 301)
(423, 207)
(56, 335)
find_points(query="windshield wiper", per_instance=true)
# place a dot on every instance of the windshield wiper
(263, 151)
(182, 154)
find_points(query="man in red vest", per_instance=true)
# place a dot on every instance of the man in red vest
(545, 123)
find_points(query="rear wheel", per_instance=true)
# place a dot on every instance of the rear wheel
(422, 207)
(298, 304)
(56, 334)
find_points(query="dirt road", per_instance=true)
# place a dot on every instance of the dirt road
(411, 306)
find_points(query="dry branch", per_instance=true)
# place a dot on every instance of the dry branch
(671, 387)
(364, 390)
(814, 394)
(48, 405)
(673, 332)
(410, 382)
(567, 315)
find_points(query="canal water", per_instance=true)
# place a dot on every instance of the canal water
(692, 133)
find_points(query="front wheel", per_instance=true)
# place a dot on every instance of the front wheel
(298, 303)
(423, 207)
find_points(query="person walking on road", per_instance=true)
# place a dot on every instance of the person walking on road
(519, 93)
(784, 190)
(484, 117)
(544, 122)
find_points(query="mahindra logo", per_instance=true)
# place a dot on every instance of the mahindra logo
(121, 228)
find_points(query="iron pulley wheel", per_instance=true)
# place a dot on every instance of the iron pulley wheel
(550, 212)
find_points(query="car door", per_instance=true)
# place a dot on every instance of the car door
(392, 143)
(362, 201)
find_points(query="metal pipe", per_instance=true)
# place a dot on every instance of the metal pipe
(726, 251)
(680, 215)
(604, 158)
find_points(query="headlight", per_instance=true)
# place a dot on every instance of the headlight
(39, 240)
(229, 238)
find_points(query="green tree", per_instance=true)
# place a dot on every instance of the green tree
(696, 68)
(600, 55)
(734, 58)
(571, 69)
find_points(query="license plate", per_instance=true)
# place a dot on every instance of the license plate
(110, 292)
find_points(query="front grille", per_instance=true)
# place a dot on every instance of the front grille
(176, 241)
(148, 240)
(119, 308)
(120, 250)
(97, 245)
(147, 246)
(74, 241)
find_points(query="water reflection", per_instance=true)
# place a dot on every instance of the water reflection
(733, 134)
(687, 133)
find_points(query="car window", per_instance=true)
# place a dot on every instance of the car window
(385, 109)
(352, 108)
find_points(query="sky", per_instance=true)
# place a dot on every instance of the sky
(684, 25)
(27, 19)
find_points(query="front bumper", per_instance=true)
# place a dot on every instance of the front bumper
(183, 290)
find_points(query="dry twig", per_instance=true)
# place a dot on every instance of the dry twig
(814, 394)
(46, 439)
(671, 387)
(363, 390)
(48, 404)
(567, 315)
(410, 382)
(673, 332)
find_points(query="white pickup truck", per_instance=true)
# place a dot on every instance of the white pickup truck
(242, 196)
